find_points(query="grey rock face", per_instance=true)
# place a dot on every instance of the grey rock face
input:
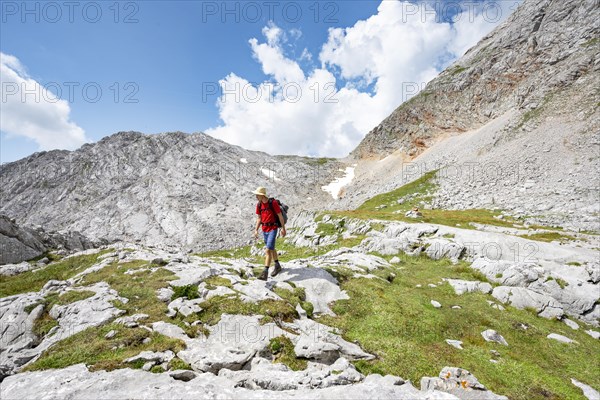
(15, 269)
(233, 342)
(508, 126)
(518, 297)
(21, 346)
(15, 333)
(189, 190)
(594, 334)
(502, 72)
(455, 343)
(19, 243)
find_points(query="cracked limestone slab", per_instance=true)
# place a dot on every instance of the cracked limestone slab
(77, 382)
(320, 286)
(232, 342)
(521, 298)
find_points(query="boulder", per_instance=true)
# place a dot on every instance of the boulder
(588, 391)
(560, 338)
(462, 286)
(521, 298)
(461, 383)
(491, 335)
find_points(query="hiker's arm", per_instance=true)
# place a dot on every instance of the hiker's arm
(280, 216)
(257, 223)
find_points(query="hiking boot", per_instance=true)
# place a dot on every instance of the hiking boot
(264, 275)
(276, 270)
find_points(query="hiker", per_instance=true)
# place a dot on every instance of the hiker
(269, 212)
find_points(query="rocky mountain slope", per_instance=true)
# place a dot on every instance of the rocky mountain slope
(192, 191)
(542, 49)
(514, 124)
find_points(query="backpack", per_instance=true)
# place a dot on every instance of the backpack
(284, 209)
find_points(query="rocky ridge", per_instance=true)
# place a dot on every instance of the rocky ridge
(173, 189)
(542, 49)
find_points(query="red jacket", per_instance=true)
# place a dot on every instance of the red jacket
(267, 217)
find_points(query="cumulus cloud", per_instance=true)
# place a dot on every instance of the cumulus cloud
(29, 110)
(366, 71)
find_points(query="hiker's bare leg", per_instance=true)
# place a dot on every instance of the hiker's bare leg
(275, 255)
(268, 257)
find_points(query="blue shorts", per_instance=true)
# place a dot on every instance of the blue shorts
(270, 239)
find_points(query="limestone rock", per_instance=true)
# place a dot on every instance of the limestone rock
(491, 335)
(459, 382)
(521, 298)
(560, 338)
(588, 391)
(462, 286)
(455, 343)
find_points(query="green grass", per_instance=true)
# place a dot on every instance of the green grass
(238, 252)
(291, 252)
(591, 43)
(177, 363)
(213, 308)
(68, 297)
(283, 352)
(454, 218)
(549, 237)
(457, 69)
(574, 263)
(396, 322)
(296, 296)
(53, 257)
(421, 189)
(327, 229)
(33, 281)
(188, 291)
(213, 281)
(90, 347)
(536, 112)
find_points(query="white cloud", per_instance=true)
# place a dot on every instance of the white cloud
(39, 115)
(391, 53)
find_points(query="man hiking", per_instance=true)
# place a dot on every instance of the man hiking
(268, 213)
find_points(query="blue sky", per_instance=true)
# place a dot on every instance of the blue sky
(158, 63)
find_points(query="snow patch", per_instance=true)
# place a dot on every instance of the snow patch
(270, 174)
(334, 187)
(243, 160)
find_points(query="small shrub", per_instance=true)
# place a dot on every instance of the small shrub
(189, 291)
(177, 363)
(283, 352)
